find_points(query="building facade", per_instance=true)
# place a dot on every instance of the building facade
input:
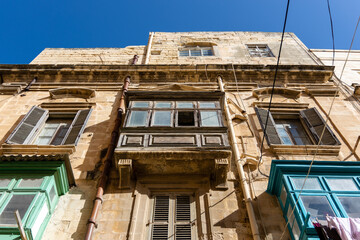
(172, 132)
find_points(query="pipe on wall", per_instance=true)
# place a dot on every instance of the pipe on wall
(244, 186)
(147, 57)
(108, 162)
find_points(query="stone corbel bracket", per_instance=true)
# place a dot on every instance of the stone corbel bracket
(72, 92)
(125, 172)
(221, 170)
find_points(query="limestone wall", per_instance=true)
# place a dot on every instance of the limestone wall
(86, 56)
(229, 47)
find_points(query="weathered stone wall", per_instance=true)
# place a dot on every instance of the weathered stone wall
(229, 48)
(74, 208)
(86, 56)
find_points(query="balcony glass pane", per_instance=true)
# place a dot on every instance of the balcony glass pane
(351, 206)
(209, 118)
(163, 105)
(31, 182)
(162, 118)
(19, 202)
(318, 207)
(207, 105)
(342, 184)
(310, 184)
(184, 105)
(140, 104)
(4, 182)
(137, 119)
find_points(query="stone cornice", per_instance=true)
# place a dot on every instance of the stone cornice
(101, 74)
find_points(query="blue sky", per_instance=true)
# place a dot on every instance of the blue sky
(27, 27)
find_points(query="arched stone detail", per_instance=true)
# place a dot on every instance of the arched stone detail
(72, 92)
(286, 92)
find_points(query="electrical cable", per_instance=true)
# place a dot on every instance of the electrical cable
(272, 92)
(322, 133)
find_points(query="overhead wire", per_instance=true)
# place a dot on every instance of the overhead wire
(323, 131)
(272, 91)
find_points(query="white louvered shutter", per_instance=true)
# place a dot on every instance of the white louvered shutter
(26, 129)
(160, 227)
(77, 127)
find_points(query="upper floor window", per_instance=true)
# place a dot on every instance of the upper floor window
(259, 50)
(174, 114)
(42, 127)
(302, 128)
(196, 51)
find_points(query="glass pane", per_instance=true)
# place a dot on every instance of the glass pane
(184, 105)
(209, 119)
(195, 52)
(19, 202)
(317, 206)
(137, 119)
(283, 195)
(31, 182)
(52, 193)
(207, 52)
(161, 118)
(4, 182)
(311, 183)
(207, 105)
(140, 104)
(163, 105)
(342, 184)
(184, 53)
(351, 206)
(293, 223)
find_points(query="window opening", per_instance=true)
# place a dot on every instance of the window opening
(196, 52)
(259, 51)
(186, 118)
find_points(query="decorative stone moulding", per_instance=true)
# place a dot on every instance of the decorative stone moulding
(125, 171)
(72, 92)
(286, 92)
(325, 91)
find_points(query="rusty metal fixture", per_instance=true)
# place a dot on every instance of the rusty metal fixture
(107, 163)
(135, 59)
(27, 88)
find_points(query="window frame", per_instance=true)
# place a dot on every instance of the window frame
(42, 117)
(196, 109)
(282, 174)
(259, 50)
(41, 207)
(189, 50)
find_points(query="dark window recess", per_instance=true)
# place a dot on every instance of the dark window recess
(291, 132)
(186, 118)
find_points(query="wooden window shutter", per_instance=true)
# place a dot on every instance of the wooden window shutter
(182, 218)
(160, 228)
(77, 127)
(25, 130)
(316, 125)
(271, 134)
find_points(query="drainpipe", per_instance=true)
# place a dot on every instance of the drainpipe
(239, 166)
(108, 161)
(149, 47)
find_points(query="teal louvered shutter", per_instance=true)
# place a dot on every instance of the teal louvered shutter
(182, 218)
(26, 129)
(316, 124)
(77, 127)
(271, 134)
(160, 227)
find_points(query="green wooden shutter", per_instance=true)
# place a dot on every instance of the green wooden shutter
(316, 125)
(271, 134)
(77, 127)
(25, 130)
(160, 228)
(182, 218)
